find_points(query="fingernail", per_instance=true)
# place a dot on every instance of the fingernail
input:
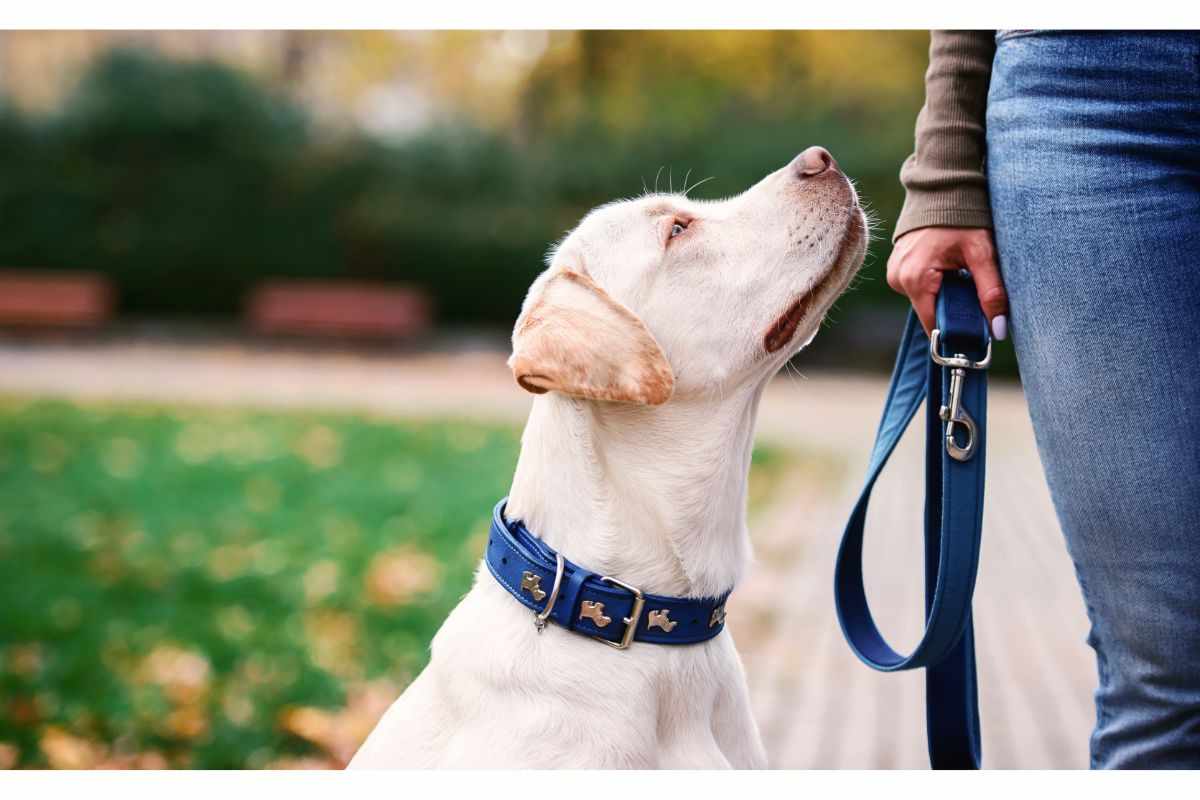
(1000, 327)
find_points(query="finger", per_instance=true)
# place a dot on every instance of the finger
(924, 306)
(893, 273)
(989, 285)
(916, 281)
(893, 279)
(922, 287)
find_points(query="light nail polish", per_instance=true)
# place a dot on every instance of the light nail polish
(1000, 327)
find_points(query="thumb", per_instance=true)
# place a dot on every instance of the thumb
(990, 288)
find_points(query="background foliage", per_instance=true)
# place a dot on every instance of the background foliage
(188, 181)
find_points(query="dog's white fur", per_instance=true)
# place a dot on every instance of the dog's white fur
(649, 353)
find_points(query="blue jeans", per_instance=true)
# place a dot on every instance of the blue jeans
(1093, 147)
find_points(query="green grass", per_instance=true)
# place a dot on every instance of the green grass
(228, 588)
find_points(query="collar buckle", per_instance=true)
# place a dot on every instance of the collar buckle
(635, 615)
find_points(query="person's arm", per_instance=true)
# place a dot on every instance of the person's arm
(946, 220)
(944, 180)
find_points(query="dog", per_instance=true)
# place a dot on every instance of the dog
(647, 343)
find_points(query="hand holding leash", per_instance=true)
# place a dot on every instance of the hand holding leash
(920, 258)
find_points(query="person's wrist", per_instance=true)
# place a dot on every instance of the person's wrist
(916, 216)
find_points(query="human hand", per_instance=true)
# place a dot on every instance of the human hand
(922, 255)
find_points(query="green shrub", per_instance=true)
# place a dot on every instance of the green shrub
(187, 183)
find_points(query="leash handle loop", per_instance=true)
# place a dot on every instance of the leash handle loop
(954, 389)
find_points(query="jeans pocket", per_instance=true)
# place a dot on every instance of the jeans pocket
(1010, 33)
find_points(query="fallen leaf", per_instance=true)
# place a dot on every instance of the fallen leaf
(151, 759)
(333, 642)
(320, 446)
(9, 755)
(182, 674)
(340, 732)
(320, 581)
(64, 750)
(186, 722)
(24, 659)
(397, 576)
(308, 762)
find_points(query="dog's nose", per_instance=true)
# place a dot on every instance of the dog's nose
(812, 162)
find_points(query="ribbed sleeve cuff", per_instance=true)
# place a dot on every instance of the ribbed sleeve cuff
(954, 211)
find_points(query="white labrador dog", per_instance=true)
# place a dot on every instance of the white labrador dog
(648, 341)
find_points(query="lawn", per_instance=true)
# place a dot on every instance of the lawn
(187, 587)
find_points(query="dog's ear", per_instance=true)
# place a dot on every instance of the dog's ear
(572, 337)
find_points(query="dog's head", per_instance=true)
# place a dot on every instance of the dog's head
(664, 295)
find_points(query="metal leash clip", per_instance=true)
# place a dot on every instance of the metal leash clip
(955, 414)
(539, 620)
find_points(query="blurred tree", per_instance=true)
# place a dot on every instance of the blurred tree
(169, 176)
(187, 181)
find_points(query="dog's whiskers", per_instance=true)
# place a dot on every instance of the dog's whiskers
(701, 182)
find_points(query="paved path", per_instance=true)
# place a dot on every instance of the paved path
(817, 706)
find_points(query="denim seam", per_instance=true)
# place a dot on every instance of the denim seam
(1102, 715)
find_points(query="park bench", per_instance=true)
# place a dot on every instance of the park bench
(338, 308)
(45, 299)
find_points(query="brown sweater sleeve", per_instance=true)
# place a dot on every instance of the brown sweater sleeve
(944, 180)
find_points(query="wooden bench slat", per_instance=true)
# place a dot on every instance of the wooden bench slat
(338, 308)
(54, 299)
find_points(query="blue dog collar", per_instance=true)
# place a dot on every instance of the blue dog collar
(594, 605)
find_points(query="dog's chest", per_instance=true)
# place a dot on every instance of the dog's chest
(655, 682)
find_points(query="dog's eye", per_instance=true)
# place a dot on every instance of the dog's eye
(678, 228)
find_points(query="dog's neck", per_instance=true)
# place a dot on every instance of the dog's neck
(655, 497)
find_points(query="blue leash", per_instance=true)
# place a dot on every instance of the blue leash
(952, 377)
